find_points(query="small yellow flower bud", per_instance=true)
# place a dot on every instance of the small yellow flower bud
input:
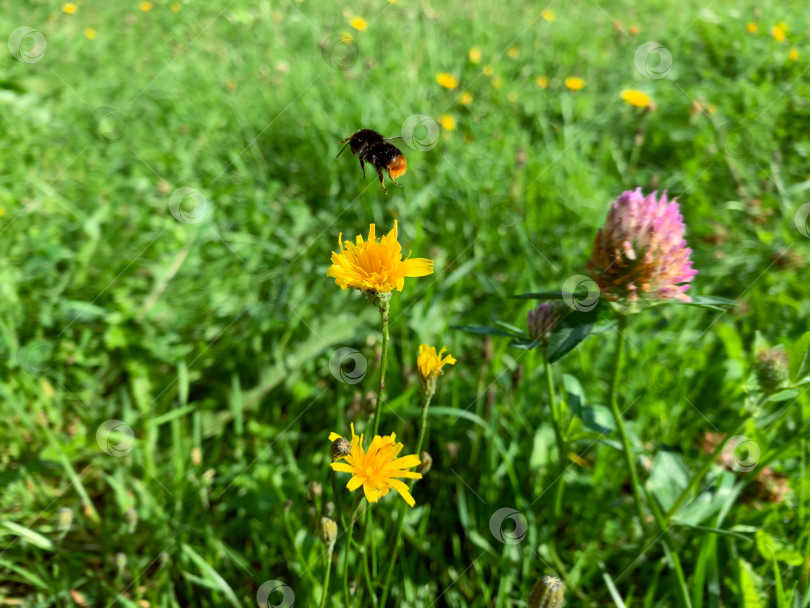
(327, 531)
(425, 463)
(548, 592)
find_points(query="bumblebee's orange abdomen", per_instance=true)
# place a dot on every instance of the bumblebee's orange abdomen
(397, 165)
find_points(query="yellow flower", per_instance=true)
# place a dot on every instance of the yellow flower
(542, 82)
(634, 30)
(346, 37)
(548, 15)
(446, 80)
(466, 98)
(513, 52)
(448, 122)
(378, 470)
(475, 54)
(783, 26)
(358, 23)
(636, 98)
(176, 7)
(430, 362)
(574, 84)
(90, 33)
(69, 8)
(488, 70)
(497, 81)
(778, 33)
(145, 6)
(752, 28)
(375, 266)
(794, 54)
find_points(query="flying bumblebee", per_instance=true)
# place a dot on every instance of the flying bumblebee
(374, 149)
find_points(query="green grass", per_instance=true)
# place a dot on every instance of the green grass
(212, 339)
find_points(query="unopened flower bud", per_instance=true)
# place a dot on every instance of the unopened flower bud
(131, 517)
(314, 489)
(771, 368)
(340, 447)
(425, 463)
(327, 531)
(120, 561)
(548, 592)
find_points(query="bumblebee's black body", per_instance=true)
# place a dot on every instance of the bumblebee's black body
(371, 147)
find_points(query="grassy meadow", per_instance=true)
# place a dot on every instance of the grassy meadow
(171, 344)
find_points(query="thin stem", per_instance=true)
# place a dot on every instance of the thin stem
(687, 491)
(618, 360)
(666, 539)
(556, 421)
(400, 524)
(383, 363)
(329, 550)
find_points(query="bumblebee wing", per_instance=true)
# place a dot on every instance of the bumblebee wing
(393, 138)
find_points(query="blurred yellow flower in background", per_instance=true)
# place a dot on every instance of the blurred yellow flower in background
(375, 266)
(176, 7)
(448, 81)
(90, 33)
(475, 54)
(636, 98)
(448, 122)
(512, 97)
(358, 23)
(497, 81)
(69, 8)
(145, 6)
(377, 469)
(542, 81)
(488, 70)
(548, 15)
(513, 52)
(752, 28)
(574, 83)
(466, 98)
(778, 33)
(634, 30)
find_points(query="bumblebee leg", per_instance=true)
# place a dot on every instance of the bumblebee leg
(363, 167)
(393, 180)
(382, 180)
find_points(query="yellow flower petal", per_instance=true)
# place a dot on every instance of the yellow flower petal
(574, 83)
(475, 55)
(69, 8)
(448, 81)
(358, 23)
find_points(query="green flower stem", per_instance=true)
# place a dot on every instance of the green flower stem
(556, 421)
(618, 360)
(325, 592)
(687, 491)
(666, 540)
(402, 510)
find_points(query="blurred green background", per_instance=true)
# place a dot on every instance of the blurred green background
(170, 200)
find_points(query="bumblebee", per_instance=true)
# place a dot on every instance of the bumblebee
(374, 149)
